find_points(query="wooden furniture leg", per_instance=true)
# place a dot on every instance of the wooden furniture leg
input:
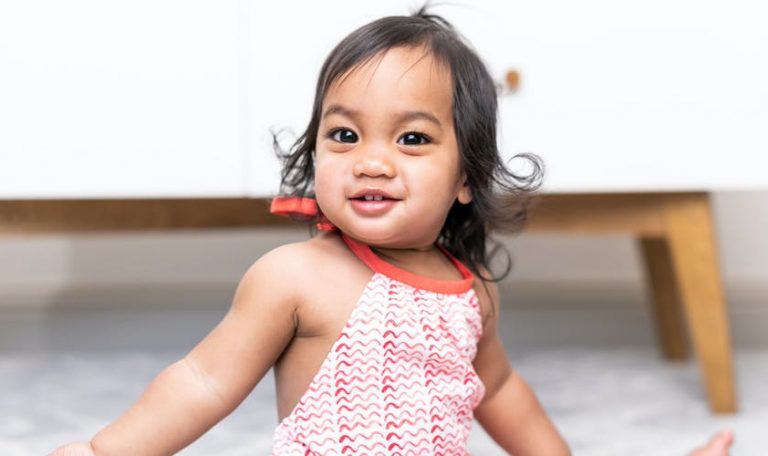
(690, 230)
(665, 301)
(678, 245)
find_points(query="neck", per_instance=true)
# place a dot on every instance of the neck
(426, 260)
(403, 253)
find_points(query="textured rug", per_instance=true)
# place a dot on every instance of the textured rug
(606, 402)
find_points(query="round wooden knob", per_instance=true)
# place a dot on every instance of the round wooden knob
(513, 80)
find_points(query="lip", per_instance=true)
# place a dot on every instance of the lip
(372, 191)
(372, 208)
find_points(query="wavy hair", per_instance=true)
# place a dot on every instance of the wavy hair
(500, 198)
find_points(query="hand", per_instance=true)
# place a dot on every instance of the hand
(74, 449)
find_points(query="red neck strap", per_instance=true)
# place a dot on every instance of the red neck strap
(301, 208)
(373, 261)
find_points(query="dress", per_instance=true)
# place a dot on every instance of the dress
(399, 378)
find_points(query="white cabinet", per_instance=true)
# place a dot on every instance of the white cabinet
(614, 96)
(632, 96)
(112, 99)
(175, 98)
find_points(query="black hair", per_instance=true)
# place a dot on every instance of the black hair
(500, 198)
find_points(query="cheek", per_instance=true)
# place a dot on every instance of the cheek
(437, 178)
(327, 182)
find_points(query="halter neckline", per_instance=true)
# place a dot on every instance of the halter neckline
(377, 264)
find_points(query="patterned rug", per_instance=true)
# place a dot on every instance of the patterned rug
(605, 402)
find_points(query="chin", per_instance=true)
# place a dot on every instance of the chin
(373, 233)
(394, 238)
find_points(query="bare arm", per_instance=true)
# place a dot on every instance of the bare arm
(191, 395)
(510, 412)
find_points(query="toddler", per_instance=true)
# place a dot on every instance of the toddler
(381, 329)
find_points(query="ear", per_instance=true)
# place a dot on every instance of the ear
(465, 193)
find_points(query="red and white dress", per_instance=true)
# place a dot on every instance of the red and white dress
(399, 379)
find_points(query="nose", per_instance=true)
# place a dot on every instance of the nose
(374, 164)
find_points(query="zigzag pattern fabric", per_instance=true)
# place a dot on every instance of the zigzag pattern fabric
(398, 380)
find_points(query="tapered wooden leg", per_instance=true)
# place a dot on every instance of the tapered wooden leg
(692, 242)
(665, 300)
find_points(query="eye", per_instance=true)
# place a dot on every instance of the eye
(343, 135)
(413, 138)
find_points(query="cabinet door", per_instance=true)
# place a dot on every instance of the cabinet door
(121, 99)
(614, 96)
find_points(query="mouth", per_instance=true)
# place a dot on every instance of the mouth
(372, 202)
(371, 194)
(371, 198)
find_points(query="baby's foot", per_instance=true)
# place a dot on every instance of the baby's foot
(717, 446)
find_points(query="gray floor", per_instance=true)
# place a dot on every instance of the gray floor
(65, 373)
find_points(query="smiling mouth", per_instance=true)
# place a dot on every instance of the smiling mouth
(372, 204)
(372, 198)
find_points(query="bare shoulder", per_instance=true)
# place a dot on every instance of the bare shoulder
(287, 259)
(288, 266)
(314, 281)
(488, 296)
(296, 270)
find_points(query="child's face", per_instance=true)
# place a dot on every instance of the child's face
(386, 131)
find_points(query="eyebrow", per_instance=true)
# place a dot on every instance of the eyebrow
(405, 116)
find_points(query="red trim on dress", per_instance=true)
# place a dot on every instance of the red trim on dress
(367, 256)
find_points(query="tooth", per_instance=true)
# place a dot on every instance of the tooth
(369, 197)
(378, 197)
